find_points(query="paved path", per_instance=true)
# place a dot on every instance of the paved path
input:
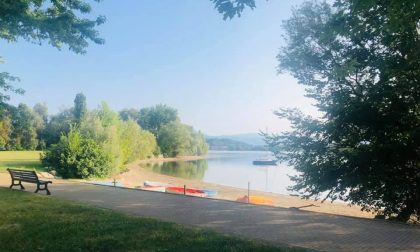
(278, 225)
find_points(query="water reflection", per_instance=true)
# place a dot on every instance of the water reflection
(189, 169)
(231, 169)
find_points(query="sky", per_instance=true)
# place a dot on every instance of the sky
(220, 75)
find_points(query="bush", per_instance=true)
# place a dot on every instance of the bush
(75, 156)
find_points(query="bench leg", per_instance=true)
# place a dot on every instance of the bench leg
(38, 188)
(19, 184)
(46, 188)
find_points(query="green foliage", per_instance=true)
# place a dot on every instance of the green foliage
(76, 156)
(177, 139)
(232, 8)
(59, 124)
(107, 116)
(129, 114)
(5, 132)
(153, 118)
(359, 60)
(135, 142)
(59, 22)
(5, 86)
(23, 136)
(80, 107)
(56, 22)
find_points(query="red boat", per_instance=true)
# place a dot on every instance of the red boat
(188, 191)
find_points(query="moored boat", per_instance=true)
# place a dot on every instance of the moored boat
(264, 162)
(258, 200)
(188, 191)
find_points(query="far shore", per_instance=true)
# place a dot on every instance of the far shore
(168, 159)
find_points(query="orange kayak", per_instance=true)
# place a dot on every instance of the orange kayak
(259, 200)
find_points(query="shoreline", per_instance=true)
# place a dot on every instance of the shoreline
(135, 176)
(167, 159)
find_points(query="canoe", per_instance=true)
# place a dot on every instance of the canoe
(258, 200)
(210, 192)
(155, 188)
(156, 184)
(188, 191)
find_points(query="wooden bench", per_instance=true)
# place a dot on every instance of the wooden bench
(29, 177)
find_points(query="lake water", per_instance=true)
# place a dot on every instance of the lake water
(231, 168)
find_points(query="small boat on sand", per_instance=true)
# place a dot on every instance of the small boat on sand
(188, 191)
(210, 192)
(156, 184)
(258, 200)
(154, 188)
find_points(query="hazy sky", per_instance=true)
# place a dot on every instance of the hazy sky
(220, 75)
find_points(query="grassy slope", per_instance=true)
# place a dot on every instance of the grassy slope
(31, 222)
(20, 159)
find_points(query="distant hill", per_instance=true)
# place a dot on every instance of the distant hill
(240, 142)
(249, 138)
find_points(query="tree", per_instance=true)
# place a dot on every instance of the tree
(177, 139)
(59, 22)
(23, 136)
(76, 156)
(129, 114)
(58, 125)
(40, 112)
(5, 132)
(80, 107)
(174, 139)
(153, 118)
(359, 60)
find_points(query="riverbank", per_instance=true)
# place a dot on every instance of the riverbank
(137, 174)
(168, 159)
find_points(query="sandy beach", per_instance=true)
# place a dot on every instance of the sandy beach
(136, 175)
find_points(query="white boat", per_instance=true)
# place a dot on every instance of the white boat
(156, 184)
(155, 188)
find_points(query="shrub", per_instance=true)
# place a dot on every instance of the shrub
(76, 156)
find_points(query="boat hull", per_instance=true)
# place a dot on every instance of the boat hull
(258, 200)
(188, 191)
(265, 162)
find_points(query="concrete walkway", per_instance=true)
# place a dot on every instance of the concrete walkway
(277, 225)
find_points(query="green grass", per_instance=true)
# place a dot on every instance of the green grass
(20, 159)
(32, 222)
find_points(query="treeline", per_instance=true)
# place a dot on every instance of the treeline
(225, 144)
(85, 143)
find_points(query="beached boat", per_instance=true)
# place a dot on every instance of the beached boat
(210, 192)
(156, 184)
(107, 183)
(155, 188)
(264, 162)
(188, 191)
(259, 200)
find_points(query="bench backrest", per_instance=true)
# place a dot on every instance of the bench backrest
(28, 176)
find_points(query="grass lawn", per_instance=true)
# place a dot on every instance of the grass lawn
(20, 159)
(31, 222)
